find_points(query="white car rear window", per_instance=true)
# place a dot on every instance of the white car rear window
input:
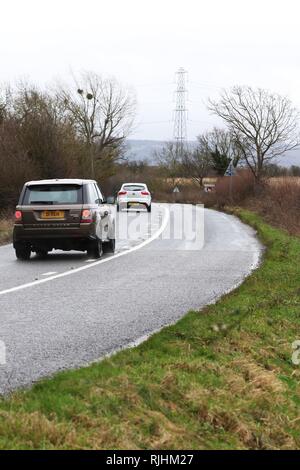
(134, 187)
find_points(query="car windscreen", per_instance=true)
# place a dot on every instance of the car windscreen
(133, 187)
(53, 194)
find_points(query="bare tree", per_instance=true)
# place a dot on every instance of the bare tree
(47, 138)
(197, 163)
(169, 161)
(102, 111)
(5, 101)
(263, 125)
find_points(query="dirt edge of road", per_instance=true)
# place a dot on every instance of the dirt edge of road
(226, 377)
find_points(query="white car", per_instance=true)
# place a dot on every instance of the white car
(134, 195)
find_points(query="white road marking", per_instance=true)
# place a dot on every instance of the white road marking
(87, 266)
(49, 273)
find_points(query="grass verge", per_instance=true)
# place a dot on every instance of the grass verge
(221, 378)
(6, 227)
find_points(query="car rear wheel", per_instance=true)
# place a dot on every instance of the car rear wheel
(118, 208)
(149, 208)
(95, 249)
(23, 253)
(110, 246)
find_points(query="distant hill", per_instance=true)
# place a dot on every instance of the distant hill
(290, 158)
(139, 150)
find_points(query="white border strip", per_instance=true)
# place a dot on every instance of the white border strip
(91, 265)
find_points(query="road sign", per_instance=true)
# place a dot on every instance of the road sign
(176, 190)
(230, 170)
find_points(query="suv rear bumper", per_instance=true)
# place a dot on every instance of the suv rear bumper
(61, 237)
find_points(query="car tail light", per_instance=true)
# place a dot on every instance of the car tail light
(86, 216)
(18, 216)
(145, 193)
(122, 193)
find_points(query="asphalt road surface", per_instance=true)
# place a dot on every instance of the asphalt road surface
(67, 310)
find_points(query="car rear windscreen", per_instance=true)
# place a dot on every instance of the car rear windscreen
(133, 187)
(53, 194)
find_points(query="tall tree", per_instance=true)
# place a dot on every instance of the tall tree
(263, 125)
(103, 113)
(169, 160)
(43, 134)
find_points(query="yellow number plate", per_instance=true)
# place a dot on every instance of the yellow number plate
(53, 214)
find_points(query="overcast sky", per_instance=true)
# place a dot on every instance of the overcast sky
(142, 43)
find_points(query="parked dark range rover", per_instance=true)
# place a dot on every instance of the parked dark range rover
(65, 214)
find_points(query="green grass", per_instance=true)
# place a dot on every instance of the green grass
(221, 378)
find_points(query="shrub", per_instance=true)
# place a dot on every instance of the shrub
(234, 190)
(279, 203)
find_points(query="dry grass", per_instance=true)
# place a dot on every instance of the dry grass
(276, 199)
(279, 180)
(6, 226)
(189, 194)
(278, 202)
(234, 190)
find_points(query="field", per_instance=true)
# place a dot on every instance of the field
(294, 180)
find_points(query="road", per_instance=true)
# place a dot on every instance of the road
(66, 311)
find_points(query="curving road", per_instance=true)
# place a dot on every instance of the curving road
(66, 311)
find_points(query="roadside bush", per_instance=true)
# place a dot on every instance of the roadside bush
(6, 226)
(15, 163)
(53, 133)
(279, 203)
(234, 190)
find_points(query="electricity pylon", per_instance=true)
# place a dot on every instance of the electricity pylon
(180, 112)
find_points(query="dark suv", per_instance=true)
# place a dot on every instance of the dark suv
(64, 214)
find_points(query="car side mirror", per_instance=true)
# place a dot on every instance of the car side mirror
(101, 201)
